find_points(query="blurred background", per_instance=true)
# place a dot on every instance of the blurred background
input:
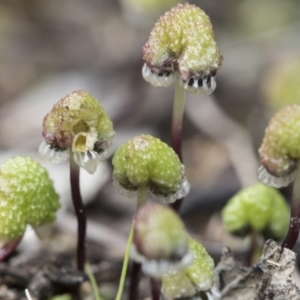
(50, 48)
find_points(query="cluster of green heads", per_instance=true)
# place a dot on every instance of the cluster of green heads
(166, 251)
(26, 191)
(77, 127)
(161, 243)
(261, 208)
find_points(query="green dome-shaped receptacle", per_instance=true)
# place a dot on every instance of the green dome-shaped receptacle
(257, 208)
(280, 150)
(160, 240)
(77, 123)
(198, 276)
(147, 161)
(27, 196)
(78, 112)
(159, 233)
(182, 41)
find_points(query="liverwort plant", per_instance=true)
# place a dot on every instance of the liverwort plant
(160, 240)
(78, 128)
(182, 48)
(160, 243)
(145, 164)
(257, 210)
(27, 197)
(196, 281)
(279, 155)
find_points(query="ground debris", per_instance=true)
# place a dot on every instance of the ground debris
(269, 279)
(45, 275)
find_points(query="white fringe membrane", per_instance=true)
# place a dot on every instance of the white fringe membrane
(162, 79)
(123, 191)
(107, 152)
(53, 155)
(200, 86)
(182, 192)
(213, 294)
(157, 268)
(88, 160)
(270, 180)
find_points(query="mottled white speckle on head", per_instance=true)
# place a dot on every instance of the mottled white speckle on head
(140, 143)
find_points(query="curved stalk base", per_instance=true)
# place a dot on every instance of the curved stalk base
(9, 248)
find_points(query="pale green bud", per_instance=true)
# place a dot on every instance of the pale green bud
(280, 149)
(77, 122)
(182, 44)
(257, 208)
(27, 196)
(281, 83)
(160, 240)
(197, 277)
(147, 161)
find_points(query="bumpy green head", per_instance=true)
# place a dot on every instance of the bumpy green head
(160, 239)
(257, 208)
(183, 41)
(280, 149)
(77, 122)
(147, 161)
(27, 196)
(198, 276)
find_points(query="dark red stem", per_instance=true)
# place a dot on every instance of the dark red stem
(293, 232)
(134, 281)
(252, 248)
(80, 214)
(9, 248)
(176, 145)
(155, 288)
(176, 141)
